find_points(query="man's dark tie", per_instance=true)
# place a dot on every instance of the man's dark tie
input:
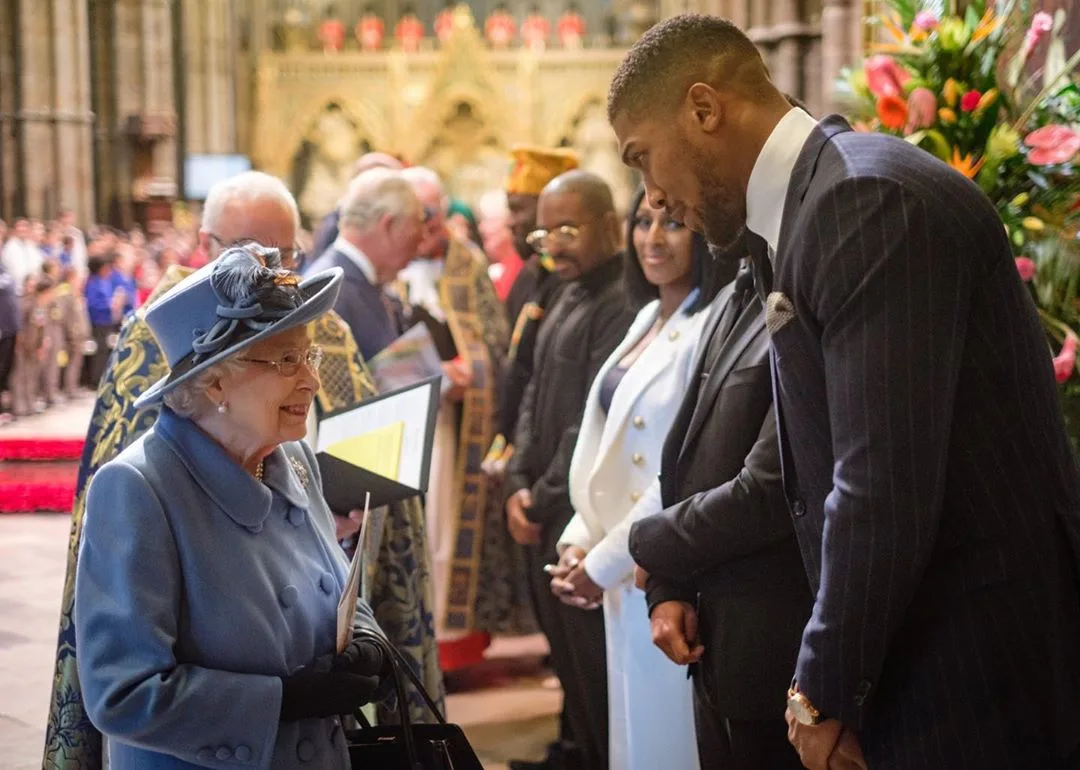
(733, 310)
(759, 258)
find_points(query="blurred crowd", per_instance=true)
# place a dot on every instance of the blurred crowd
(64, 292)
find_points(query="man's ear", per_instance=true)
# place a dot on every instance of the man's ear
(613, 228)
(705, 107)
(205, 242)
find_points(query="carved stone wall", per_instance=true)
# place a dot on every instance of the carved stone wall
(458, 110)
(45, 116)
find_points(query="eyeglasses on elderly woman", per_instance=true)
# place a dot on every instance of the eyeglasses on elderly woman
(288, 365)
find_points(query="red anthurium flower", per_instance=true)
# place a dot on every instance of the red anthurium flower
(969, 101)
(884, 77)
(1052, 144)
(1065, 361)
(1026, 267)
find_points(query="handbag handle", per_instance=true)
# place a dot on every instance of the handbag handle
(388, 650)
(400, 664)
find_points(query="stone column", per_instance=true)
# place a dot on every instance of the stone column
(787, 60)
(10, 165)
(209, 77)
(136, 105)
(45, 116)
(839, 19)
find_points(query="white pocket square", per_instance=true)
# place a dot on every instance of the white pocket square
(779, 312)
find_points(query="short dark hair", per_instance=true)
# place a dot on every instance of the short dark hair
(95, 265)
(44, 283)
(676, 53)
(709, 275)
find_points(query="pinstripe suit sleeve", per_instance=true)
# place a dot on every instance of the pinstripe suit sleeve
(891, 298)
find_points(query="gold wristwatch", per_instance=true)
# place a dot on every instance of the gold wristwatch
(801, 708)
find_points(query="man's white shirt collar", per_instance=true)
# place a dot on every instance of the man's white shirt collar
(769, 180)
(358, 257)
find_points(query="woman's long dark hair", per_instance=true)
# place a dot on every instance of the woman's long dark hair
(709, 275)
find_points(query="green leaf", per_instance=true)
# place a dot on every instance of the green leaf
(933, 141)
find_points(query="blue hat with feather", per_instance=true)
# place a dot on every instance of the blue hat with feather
(242, 297)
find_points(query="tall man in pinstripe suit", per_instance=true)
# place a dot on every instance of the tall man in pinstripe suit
(925, 460)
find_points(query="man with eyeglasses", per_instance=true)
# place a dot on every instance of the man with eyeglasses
(579, 231)
(249, 208)
(535, 289)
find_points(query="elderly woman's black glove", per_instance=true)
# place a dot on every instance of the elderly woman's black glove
(311, 694)
(363, 657)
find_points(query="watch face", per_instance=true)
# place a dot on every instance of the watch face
(798, 708)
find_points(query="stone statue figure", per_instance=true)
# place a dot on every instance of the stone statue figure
(323, 166)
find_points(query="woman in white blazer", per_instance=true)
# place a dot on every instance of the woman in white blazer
(630, 408)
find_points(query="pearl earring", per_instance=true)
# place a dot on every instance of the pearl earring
(222, 408)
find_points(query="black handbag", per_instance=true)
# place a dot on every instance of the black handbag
(406, 746)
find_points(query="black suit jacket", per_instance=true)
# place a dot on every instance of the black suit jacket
(361, 304)
(582, 329)
(926, 463)
(725, 536)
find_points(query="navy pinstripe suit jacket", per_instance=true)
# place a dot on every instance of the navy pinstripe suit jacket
(935, 494)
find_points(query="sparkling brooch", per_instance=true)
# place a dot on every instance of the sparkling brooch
(300, 471)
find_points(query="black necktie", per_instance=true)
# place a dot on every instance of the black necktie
(759, 258)
(729, 316)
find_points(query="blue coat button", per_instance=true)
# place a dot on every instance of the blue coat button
(289, 596)
(305, 750)
(204, 754)
(242, 754)
(326, 583)
(296, 516)
(224, 753)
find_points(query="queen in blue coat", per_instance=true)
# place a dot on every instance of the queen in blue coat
(208, 580)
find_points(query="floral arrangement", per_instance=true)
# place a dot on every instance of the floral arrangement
(962, 86)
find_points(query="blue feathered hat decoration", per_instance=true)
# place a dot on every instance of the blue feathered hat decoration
(239, 299)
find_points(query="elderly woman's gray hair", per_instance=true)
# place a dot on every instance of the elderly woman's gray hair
(375, 194)
(189, 399)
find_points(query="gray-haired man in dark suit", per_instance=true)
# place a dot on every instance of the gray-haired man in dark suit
(925, 461)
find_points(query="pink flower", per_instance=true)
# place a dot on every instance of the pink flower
(970, 100)
(922, 110)
(1041, 24)
(926, 21)
(1065, 361)
(1026, 267)
(885, 77)
(1052, 144)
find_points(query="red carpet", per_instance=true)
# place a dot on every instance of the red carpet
(27, 487)
(41, 449)
(38, 474)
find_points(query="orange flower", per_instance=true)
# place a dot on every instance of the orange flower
(966, 165)
(987, 25)
(892, 111)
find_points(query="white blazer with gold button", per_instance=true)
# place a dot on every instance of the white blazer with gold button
(612, 475)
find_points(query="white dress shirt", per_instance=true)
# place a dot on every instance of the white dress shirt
(358, 257)
(772, 173)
